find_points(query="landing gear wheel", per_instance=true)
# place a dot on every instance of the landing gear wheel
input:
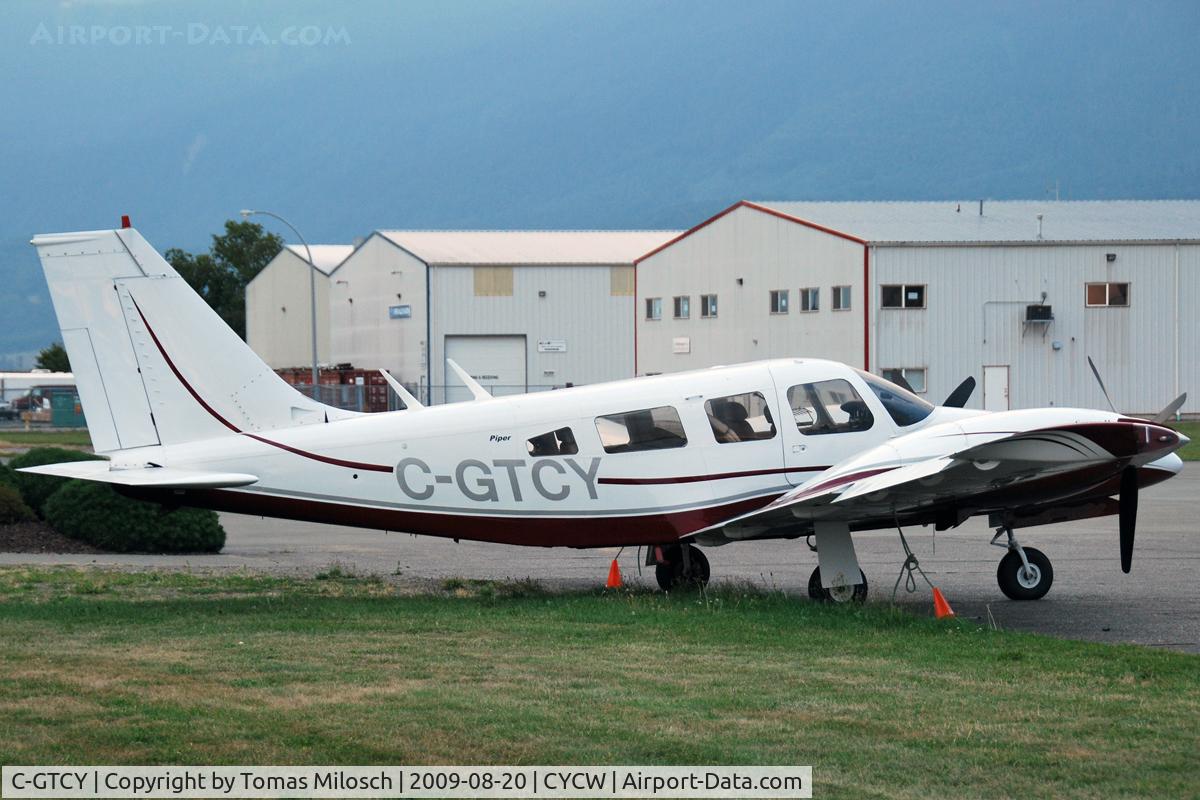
(1017, 583)
(838, 594)
(673, 574)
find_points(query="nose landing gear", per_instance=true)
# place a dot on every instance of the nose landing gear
(1024, 573)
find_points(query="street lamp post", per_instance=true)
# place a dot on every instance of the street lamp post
(312, 283)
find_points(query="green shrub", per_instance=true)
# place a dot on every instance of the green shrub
(94, 513)
(13, 508)
(8, 477)
(36, 489)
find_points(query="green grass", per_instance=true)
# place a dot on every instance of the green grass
(1191, 430)
(108, 667)
(73, 438)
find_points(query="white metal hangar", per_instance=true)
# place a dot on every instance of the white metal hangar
(279, 305)
(1015, 293)
(518, 310)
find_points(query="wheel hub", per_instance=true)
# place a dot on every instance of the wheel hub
(841, 594)
(1029, 576)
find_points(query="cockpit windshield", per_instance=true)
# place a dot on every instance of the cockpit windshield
(903, 406)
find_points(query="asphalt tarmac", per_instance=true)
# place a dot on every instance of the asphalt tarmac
(1158, 604)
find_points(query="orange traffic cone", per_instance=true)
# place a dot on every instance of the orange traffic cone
(941, 608)
(614, 576)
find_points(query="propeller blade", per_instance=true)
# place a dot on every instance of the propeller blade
(1096, 372)
(1128, 515)
(962, 393)
(1170, 410)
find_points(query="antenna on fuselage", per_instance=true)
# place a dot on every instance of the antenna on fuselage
(477, 391)
(410, 402)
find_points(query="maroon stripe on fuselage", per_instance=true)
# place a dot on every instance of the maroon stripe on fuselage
(338, 462)
(720, 476)
(212, 412)
(534, 531)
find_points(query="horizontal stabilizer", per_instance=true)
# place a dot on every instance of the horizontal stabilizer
(145, 476)
(410, 402)
(477, 390)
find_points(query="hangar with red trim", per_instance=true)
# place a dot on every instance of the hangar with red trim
(1015, 293)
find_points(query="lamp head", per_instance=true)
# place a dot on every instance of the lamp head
(246, 212)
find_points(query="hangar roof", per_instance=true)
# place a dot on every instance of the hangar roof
(947, 222)
(528, 247)
(326, 257)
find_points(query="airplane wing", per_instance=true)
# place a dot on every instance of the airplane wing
(1014, 470)
(144, 476)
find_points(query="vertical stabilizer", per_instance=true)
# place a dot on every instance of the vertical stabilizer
(153, 363)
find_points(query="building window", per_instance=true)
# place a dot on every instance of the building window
(620, 281)
(555, 443)
(911, 378)
(779, 301)
(683, 307)
(828, 407)
(1107, 294)
(653, 308)
(902, 296)
(740, 418)
(810, 299)
(708, 305)
(841, 298)
(650, 429)
(493, 281)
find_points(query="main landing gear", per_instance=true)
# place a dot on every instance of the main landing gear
(1024, 573)
(837, 594)
(680, 567)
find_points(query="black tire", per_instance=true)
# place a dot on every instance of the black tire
(672, 576)
(1016, 585)
(818, 592)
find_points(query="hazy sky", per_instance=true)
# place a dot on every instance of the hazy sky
(347, 117)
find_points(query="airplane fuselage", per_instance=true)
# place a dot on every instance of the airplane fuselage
(642, 461)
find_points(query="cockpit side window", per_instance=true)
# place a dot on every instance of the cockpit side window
(902, 405)
(740, 418)
(648, 429)
(828, 407)
(560, 442)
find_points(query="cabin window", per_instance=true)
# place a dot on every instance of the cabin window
(683, 307)
(810, 299)
(653, 308)
(634, 431)
(841, 298)
(1108, 294)
(828, 407)
(904, 407)
(740, 418)
(560, 442)
(911, 378)
(708, 306)
(902, 296)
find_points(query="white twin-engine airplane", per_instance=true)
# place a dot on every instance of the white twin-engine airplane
(188, 415)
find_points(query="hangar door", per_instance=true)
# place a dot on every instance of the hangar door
(497, 362)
